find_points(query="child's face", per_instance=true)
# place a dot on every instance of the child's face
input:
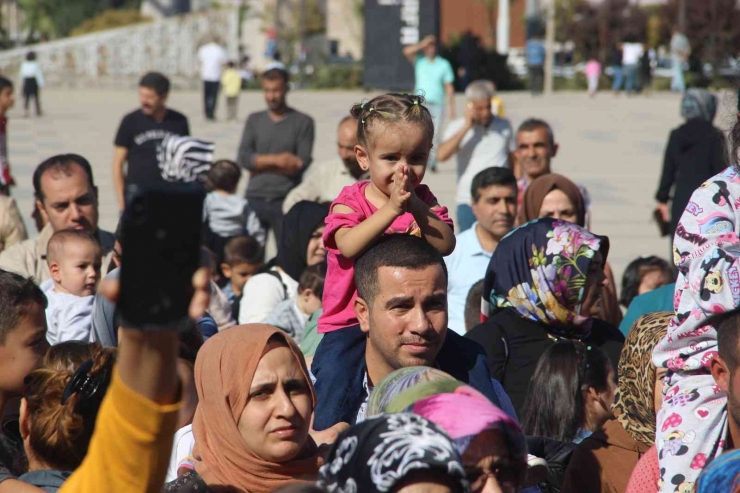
(392, 147)
(309, 302)
(7, 99)
(78, 272)
(239, 274)
(23, 350)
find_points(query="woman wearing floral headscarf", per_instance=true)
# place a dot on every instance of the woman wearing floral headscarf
(391, 452)
(604, 461)
(696, 151)
(542, 283)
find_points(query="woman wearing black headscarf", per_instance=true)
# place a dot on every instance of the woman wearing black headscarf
(696, 152)
(300, 246)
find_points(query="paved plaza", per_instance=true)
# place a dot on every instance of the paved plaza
(612, 145)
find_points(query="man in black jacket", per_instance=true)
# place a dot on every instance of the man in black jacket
(402, 309)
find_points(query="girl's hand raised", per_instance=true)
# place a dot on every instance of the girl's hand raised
(400, 195)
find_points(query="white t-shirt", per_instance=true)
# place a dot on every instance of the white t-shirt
(631, 53)
(262, 293)
(68, 317)
(212, 58)
(182, 447)
(481, 148)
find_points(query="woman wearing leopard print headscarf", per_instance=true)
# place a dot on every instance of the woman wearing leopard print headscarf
(604, 461)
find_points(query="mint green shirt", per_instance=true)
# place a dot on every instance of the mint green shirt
(431, 77)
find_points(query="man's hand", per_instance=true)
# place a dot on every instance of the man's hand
(400, 195)
(289, 162)
(663, 209)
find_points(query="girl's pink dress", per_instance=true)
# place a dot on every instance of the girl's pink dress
(339, 287)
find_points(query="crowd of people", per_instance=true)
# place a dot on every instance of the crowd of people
(384, 347)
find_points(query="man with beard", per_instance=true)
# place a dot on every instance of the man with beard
(494, 208)
(401, 305)
(323, 183)
(141, 132)
(535, 148)
(478, 141)
(67, 198)
(276, 148)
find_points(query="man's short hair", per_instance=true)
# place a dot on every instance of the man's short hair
(473, 305)
(348, 118)
(5, 83)
(157, 82)
(61, 163)
(224, 175)
(276, 74)
(532, 124)
(502, 177)
(398, 250)
(18, 296)
(242, 249)
(727, 326)
(479, 90)
(313, 278)
(57, 242)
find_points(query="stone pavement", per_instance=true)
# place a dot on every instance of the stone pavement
(612, 145)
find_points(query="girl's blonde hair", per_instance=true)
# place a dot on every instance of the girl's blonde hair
(391, 109)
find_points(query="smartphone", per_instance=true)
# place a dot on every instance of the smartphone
(162, 234)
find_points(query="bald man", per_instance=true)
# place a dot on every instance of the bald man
(324, 182)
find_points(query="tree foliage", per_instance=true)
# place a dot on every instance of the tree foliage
(48, 19)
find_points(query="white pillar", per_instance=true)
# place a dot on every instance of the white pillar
(503, 27)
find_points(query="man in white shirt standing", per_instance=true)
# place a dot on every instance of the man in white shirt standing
(631, 54)
(211, 60)
(479, 140)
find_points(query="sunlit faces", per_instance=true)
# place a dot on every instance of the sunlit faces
(407, 319)
(275, 422)
(77, 271)
(534, 152)
(150, 101)
(489, 465)
(69, 201)
(495, 209)
(7, 99)
(482, 114)
(393, 146)
(23, 349)
(653, 279)
(557, 205)
(315, 251)
(274, 91)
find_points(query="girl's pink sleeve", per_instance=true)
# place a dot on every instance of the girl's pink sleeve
(426, 195)
(336, 221)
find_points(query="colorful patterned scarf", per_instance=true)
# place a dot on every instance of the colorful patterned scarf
(540, 270)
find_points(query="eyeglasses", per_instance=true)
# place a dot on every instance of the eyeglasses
(508, 476)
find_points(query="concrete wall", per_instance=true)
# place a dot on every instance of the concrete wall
(345, 26)
(119, 57)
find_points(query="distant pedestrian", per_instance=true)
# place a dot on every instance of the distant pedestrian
(680, 52)
(646, 70)
(140, 136)
(536, 63)
(231, 81)
(434, 81)
(615, 62)
(32, 81)
(211, 59)
(631, 54)
(593, 72)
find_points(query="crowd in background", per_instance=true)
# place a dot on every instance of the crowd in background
(384, 347)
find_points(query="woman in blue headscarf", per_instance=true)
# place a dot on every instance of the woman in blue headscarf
(696, 152)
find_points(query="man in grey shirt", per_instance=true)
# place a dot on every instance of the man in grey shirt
(276, 148)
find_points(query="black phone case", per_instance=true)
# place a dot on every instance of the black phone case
(162, 233)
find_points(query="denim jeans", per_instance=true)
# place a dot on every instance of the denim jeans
(677, 82)
(631, 78)
(618, 78)
(210, 97)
